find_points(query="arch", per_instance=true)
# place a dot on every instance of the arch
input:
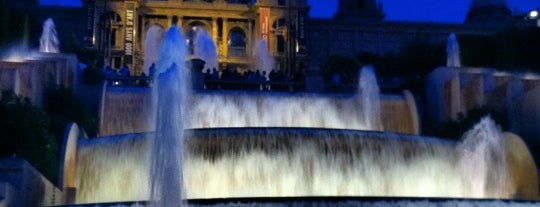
(109, 24)
(279, 28)
(190, 31)
(237, 42)
(110, 15)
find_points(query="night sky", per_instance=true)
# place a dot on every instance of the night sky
(401, 10)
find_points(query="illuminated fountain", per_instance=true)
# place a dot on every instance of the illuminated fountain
(205, 49)
(262, 60)
(48, 42)
(452, 50)
(370, 98)
(154, 37)
(289, 146)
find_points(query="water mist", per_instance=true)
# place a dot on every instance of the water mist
(154, 38)
(452, 51)
(262, 60)
(205, 49)
(167, 146)
(49, 39)
(371, 104)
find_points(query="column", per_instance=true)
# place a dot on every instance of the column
(225, 39)
(249, 36)
(214, 29)
(180, 21)
(169, 21)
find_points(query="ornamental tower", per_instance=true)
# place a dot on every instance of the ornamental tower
(362, 9)
(488, 12)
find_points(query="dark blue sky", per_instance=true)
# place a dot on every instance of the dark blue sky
(422, 10)
(402, 10)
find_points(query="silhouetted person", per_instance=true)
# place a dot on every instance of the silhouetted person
(124, 71)
(152, 70)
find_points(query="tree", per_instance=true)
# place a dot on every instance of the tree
(24, 130)
(63, 107)
(345, 67)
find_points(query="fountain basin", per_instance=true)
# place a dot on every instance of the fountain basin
(126, 110)
(293, 162)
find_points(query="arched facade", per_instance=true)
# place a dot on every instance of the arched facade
(234, 25)
(237, 43)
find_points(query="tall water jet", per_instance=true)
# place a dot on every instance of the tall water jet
(371, 104)
(452, 52)
(263, 61)
(483, 160)
(205, 49)
(167, 146)
(49, 39)
(154, 37)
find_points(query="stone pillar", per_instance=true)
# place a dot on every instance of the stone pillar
(169, 21)
(225, 39)
(214, 29)
(142, 41)
(180, 21)
(249, 36)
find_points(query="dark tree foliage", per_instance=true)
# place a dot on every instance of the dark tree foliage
(24, 132)
(64, 107)
(414, 61)
(510, 49)
(347, 68)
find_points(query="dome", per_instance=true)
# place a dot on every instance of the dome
(489, 12)
(483, 3)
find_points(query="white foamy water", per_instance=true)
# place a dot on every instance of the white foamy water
(154, 38)
(453, 58)
(205, 49)
(371, 103)
(262, 59)
(248, 110)
(166, 176)
(280, 162)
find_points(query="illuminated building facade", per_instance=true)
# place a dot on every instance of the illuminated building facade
(119, 28)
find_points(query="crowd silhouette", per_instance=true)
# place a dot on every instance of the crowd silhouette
(227, 78)
(235, 79)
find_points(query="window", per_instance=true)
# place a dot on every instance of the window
(109, 22)
(280, 44)
(237, 43)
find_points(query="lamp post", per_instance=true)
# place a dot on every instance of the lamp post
(534, 15)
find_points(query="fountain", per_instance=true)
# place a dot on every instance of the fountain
(205, 49)
(48, 42)
(244, 151)
(167, 145)
(262, 60)
(154, 38)
(452, 50)
(370, 98)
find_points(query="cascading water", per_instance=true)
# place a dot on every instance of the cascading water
(262, 60)
(205, 49)
(167, 145)
(371, 104)
(154, 37)
(452, 51)
(49, 40)
(293, 162)
(484, 147)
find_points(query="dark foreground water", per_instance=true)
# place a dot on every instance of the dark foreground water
(336, 201)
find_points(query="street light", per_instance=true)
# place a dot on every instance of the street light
(534, 15)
